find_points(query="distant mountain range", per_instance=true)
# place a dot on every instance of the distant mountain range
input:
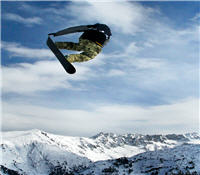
(37, 152)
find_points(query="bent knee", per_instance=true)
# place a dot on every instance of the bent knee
(91, 55)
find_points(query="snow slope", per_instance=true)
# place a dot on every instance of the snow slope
(183, 159)
(36, 152)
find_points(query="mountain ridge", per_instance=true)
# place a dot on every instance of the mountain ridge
(38, 152)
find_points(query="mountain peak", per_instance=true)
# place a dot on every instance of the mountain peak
(104, 134)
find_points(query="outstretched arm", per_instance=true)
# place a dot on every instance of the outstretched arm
(81, 28)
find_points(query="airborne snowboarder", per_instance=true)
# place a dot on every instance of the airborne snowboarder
(92, 40)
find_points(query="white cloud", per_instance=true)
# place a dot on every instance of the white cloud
(20, 19)
(147, 65)
(107, 118)
(168, 38)
(132, 49)
(26, 78)
(126, 17)
(17, 50)
(116, 72)
(196, 17)
(147, 73)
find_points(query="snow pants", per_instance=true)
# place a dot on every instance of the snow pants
(90, 50)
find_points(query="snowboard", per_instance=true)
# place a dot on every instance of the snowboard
(69, 68)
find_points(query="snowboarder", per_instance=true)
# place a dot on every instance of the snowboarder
(92, 40)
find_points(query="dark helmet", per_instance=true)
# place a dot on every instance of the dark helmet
(103, 28)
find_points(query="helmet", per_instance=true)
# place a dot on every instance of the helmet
(103, 28)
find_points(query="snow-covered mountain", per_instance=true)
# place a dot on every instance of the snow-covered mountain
(36, 152)
(184, 159)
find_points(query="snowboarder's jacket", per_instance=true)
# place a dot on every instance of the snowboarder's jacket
(98, 33)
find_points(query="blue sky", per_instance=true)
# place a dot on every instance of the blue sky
(146, 79)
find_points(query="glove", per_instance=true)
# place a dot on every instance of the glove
(54, 34)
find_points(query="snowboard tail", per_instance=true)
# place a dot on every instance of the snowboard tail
(69, 68)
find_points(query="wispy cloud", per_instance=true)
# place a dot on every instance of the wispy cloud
(182, 116)
(20, 19)
(154, 74)
(122, 16)
(17, 50)
(116, 72)
(126, 17)
(26, 78)
(196, 17)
